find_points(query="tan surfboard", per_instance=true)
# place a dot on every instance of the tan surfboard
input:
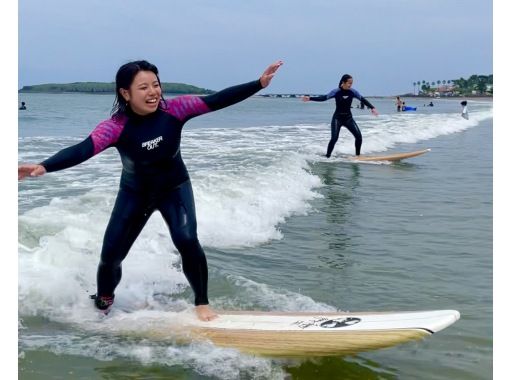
(390, 157)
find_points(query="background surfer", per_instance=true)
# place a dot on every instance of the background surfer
(342, 116)
(464, 113)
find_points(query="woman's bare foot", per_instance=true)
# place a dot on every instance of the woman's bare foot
(205, 313)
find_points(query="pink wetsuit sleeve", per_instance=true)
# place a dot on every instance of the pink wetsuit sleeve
(185, 107)
(107, 133)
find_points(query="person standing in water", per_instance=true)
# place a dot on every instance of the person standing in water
(464, 113)
(146, 130)
(398, 102)
(342, 116)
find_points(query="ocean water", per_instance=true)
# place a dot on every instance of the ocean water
(283, 228)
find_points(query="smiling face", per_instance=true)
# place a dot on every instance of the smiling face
(347, 85)
(144, 93)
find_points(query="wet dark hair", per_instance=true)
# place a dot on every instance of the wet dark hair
(124, 78)
(344, 79)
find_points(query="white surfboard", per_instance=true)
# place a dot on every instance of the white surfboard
(390, 157)
(305, 334)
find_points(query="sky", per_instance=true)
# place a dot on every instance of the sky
(386, 45)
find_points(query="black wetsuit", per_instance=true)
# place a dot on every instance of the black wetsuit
(343, 115)
(154, 177)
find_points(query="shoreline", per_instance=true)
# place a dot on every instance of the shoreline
(280, 96)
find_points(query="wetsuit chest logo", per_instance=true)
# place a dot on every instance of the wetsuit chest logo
(345, 96)
(152, 144)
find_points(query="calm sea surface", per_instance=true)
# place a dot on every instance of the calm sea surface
(283, 228)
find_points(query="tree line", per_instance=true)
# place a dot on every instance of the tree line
(478, 84)
(108, 88)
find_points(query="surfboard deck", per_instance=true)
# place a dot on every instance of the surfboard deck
(390, 157)
(308, 334)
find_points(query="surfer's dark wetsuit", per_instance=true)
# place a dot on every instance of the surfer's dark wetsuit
(154, 177)
(343, 115)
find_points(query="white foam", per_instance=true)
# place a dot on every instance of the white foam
(202, 357)
(256, 296)
(245, 209)
(59, 253)
(387, 132)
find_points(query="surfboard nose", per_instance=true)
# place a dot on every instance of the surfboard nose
(444, 319)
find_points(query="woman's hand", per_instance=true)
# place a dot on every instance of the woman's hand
(30, 170)
(374, 112)
(267, 75)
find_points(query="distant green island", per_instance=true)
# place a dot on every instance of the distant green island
(108, 88)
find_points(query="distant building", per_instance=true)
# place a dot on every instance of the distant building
(446, 90)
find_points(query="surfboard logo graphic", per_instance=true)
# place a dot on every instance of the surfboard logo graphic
(342, 322)
(327, 323)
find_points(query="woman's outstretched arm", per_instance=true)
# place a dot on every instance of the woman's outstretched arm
(186, 107)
